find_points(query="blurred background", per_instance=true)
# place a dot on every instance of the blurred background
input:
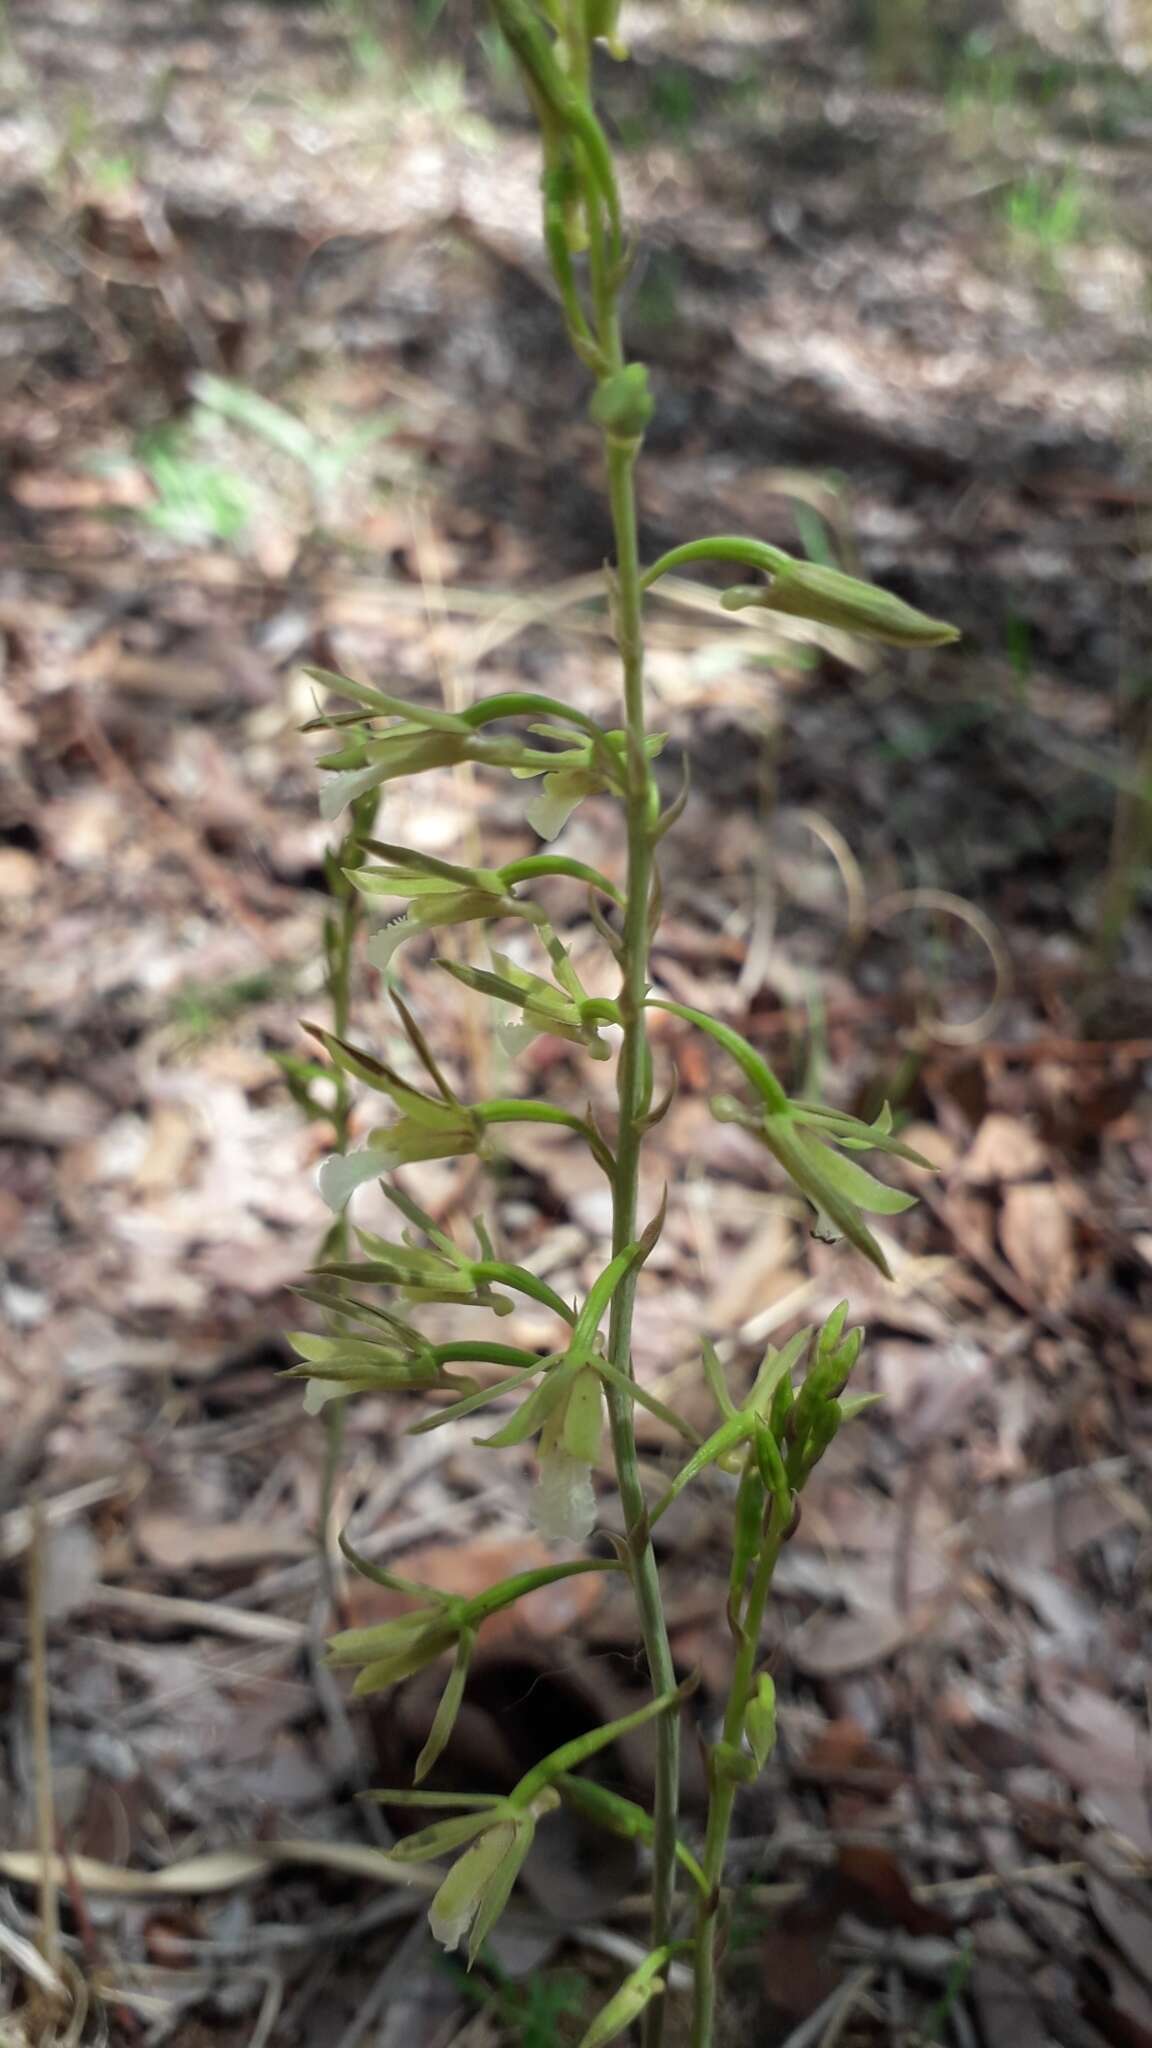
(282, 381)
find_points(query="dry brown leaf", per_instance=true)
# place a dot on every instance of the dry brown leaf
(1004, 1149)
(1128, 1821)
(179, 1545)
(933, 1143)
(1037, 1239)
(1098, 1744)
(54, 1117)
(173, 1134)
(1006, 2004)
(972, 1220)
(874, 1887)
(832, 1645)
(1124, 2011)
(1125, 1913)
(759, 1275)
(1046, 1519)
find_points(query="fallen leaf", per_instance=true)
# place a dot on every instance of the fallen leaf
(934, 1144)
(1125, 1914)
(832, 1645)
(54, 1117)
(71, 1567)
(798, 1970)
(760, 1274)
(1006, 2006)
(1038, 1523)
(1116, 2001)
(1128, 1821)
(1100, 1742)
(1037, 1239)
(1004, 1149)
(178, 1545)
(875, 1887)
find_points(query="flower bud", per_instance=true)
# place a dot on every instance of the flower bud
(623, 404)
(808, 590)
(760, 1720)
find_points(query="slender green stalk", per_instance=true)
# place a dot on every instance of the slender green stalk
(633, 1096)
(341, 940)
(723, 1789)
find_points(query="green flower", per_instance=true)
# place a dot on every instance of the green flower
(438, 893)
(478, 1886)
(543, 1007)
(566, 1410)
(429, 1127)
(809, 1140)
(441, 1273)
(338, 1366)
(804, 1141)
(807, 590)
(497, 1833)
(394, 1650)
(564, 1504)
(584, 770)
(407, 748)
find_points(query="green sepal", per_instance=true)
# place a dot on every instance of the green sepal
(480, 1399)
(852, 1405)
(444, 1719)
(378, 703)
(364, 1066)
(430, 1843)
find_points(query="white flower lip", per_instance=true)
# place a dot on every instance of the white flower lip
(343, 1172)
(564, 1503)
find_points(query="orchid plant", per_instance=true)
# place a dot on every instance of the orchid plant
(773, 1437)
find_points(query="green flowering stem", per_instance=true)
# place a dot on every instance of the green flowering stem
(724, 1781)
(633, 1084)
(340, 939)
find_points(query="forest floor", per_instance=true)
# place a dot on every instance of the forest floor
(282, 382)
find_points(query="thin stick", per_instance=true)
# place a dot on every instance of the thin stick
(42, 1746)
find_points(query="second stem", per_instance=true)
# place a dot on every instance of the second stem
(633, 1092)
